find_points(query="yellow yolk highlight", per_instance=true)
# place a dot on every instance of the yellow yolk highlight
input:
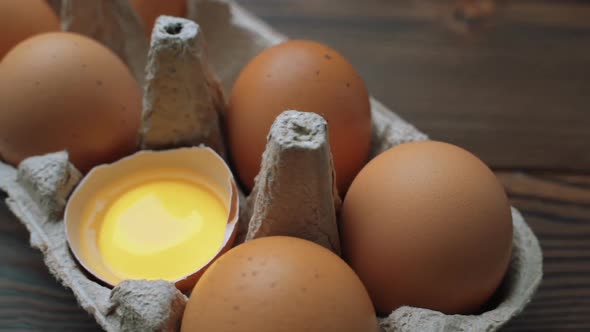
(160, 229)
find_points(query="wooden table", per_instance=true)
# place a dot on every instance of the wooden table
(509, 80)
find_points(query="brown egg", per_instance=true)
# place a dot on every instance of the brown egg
(149, 10)
(304, 76)
(279, 284)
(21, 19)
(427, 225)
(65, 91)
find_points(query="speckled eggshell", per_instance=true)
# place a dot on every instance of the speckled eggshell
(21, 19)
(428, 225)
(275, 284)
(305, 76)
(65, 91)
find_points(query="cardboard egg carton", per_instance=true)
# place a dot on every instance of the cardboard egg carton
(184, 83)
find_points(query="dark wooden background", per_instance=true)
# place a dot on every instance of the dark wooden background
(509, 80)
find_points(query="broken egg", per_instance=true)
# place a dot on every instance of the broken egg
(153, 215)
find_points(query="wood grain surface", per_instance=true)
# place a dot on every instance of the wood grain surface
(509, 80)
(512, 86)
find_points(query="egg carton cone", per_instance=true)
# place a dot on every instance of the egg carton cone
(183, 100)
(38, 189)
(295, 191)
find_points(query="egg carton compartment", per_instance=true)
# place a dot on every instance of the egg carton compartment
(178, 57)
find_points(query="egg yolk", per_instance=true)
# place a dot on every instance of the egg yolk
(161, 229)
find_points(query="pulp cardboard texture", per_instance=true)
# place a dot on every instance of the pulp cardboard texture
(296, 168)
(174, 114)
(38, 190)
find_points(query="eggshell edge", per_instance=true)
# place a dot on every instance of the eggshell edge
(137, 160)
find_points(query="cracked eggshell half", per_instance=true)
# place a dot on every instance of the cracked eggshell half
(143, 216)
